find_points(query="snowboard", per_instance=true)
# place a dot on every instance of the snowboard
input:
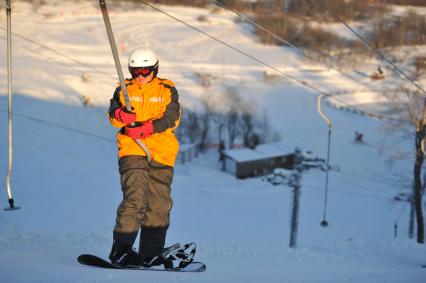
(95, 261)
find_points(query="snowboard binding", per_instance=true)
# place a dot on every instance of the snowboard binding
(179, 256)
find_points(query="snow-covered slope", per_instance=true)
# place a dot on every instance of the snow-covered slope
(65, 166)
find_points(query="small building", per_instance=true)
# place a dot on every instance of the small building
(245, 162)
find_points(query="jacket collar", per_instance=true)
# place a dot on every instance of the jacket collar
(136, 83)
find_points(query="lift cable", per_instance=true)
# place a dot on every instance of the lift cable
(302, 82)
(286, 42)
(369, 45)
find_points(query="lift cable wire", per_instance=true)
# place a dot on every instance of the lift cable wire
(313, 188)
(286, 42)
(322, 93)
(375, 115)
(234, 48)
(378, 116)
(242, 16)
(87, 134)
(57, 125)
(369, 45)
(76, 70)
(60, 54)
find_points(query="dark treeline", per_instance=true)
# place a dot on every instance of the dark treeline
(236, 122)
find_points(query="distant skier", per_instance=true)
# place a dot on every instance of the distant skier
(378, 74)
(379, 70)
(359, 137)
(146, 202)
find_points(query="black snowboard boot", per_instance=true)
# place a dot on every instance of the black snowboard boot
(123, 255)
(151, 247)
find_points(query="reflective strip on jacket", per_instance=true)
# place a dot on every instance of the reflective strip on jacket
(156, 101)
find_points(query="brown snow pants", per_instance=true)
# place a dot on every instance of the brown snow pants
(146, 197)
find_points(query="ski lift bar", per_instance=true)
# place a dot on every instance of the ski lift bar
(324, 222)
(111, 39)
(9, 84)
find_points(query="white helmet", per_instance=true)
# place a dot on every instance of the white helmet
(143, 57)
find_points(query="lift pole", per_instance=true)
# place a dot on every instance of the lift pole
(9, 90)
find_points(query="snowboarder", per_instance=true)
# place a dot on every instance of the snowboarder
(145, 184)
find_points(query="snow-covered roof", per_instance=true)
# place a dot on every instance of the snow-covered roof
(261, 152)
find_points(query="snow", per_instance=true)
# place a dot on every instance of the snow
(65, 171)
(244, 154)
(260, 152)
(402, 9)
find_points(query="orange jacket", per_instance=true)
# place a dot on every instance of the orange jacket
(157, 101)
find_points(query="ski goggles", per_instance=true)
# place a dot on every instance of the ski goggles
(144, 72)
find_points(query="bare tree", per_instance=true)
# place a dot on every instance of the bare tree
(233, 121)
(411, 108)
(205, 120)
(218, 120)
(190, 126)
(228, 116)
(233, 130)
(418, 188)
(420, 66)
(250, 125)
(247, 128)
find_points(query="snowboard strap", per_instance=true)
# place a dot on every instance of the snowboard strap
(180, 256)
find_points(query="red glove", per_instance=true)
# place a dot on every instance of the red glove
(124, 116)
(140, 130)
